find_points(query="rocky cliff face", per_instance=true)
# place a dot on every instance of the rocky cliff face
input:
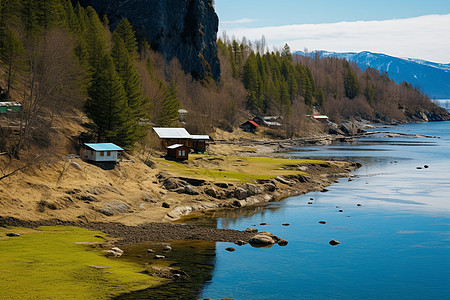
(185, 29)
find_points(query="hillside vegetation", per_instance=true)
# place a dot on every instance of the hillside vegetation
(64, 62)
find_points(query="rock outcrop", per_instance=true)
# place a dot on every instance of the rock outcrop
(186, 30)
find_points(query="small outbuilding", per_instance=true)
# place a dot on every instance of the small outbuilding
(178, 152)
(249, 126)
(6, 107)
(102, 152)
(198, 143)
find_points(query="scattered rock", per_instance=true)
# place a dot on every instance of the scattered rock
(240, 243)
(419, 168)
(165, 205)
(285, 224)
(210, 191)
(349, 179)
(13, 234)
(150, 251)
(324, 191)
(251, 230)
(262, 224)
(114, 252)
(76, 166)
(173, 183)
(334, 242)
(284, 180)
(113, 208)
(148, 198)
(311, 198)
(190, 190)
(282, 242)
(270, 187)
(322, 222)
(100, 267)
(340, 210)
(310, 203)
(222, 185)
(240, 193)
(359, 204)
(88, 198)
(426, 166)
(230, 249)
(159, 257)
(261, 240)
(252, 189)
(167, 248)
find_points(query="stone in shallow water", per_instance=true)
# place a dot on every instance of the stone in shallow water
(334, 242)
(230, 249)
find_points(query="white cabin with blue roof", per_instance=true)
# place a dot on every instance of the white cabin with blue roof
(102, 152)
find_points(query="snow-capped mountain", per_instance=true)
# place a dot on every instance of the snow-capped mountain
(432, 78)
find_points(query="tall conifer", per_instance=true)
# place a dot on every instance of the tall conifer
(107, 105)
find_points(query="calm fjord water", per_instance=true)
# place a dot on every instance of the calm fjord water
(395, 246)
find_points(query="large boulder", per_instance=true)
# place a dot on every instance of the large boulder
(240, 193)
(261, 240)
(252, 189)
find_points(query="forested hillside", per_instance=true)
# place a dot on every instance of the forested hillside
(63, 62)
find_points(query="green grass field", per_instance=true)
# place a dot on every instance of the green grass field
(55, 263)
(232, 168)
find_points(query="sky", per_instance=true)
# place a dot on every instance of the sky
(402, 28)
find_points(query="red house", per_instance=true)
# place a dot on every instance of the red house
(178, 152)
(249, 126)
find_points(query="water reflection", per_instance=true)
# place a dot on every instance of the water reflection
(194, 258)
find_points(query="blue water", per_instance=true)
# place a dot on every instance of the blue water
(396, 245)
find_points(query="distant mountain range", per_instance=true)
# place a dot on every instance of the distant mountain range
(431, 78)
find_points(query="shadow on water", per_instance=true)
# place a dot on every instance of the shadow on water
(195, 258)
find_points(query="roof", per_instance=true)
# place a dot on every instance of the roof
(271, 118)
(271, 123)
(320, 117)
(200, 137)
(171, 133)
(175, 146)
(104, 147)
(14, 103)
(254, 123)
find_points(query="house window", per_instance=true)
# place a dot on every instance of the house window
(102, 153)
(180, 153)
(108, 153)
(183, 153)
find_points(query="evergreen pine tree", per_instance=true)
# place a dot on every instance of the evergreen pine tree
(11, 53)
(107, 104)
(125, 31)
(351, 84)
(30, 17)
(170, 106)
(72, 22)
(320, 97)
(130, 79)
(95, 39)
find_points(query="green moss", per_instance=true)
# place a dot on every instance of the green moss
(231, 168)
(55, 263)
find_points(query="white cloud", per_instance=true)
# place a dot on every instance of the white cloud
(240, 21)
(426, 37)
